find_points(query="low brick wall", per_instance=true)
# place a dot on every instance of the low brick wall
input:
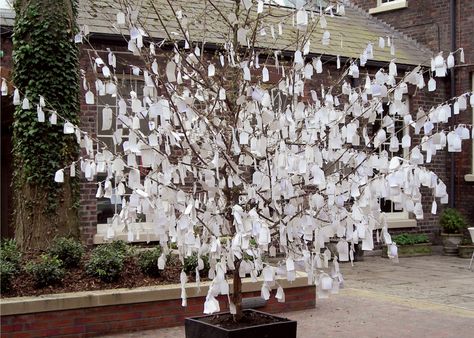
(132, 316)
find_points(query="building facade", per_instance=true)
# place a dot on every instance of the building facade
(442, 26)
(358, 28)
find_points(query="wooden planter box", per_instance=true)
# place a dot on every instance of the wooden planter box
(465, 251)
(422, 249)
(94, 313)
(196, 328)
(450, 243)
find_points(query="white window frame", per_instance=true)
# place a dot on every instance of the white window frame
(470, 177)
(388, 6)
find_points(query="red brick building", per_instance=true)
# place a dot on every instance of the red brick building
(353, 31)
(442, 26)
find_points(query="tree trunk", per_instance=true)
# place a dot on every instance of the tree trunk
(237, 294)
(46, 64)
(34, 228)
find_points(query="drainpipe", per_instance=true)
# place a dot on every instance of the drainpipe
(452, 12)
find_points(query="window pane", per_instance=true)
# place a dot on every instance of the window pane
(107, 207)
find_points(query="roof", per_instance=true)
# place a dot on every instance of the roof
(353, 31)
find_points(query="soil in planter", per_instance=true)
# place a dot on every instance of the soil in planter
(76, 279)
(249, 318)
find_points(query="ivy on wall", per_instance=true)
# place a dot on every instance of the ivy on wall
(46, 63)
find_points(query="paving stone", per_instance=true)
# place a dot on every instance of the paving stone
(429, 296)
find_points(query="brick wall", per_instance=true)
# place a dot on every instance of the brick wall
(428, 22)
(96, 321)
(415, 21)
(88, 202)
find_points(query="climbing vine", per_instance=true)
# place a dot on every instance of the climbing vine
(46, 63)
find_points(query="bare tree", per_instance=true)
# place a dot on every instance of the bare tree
(230, 150)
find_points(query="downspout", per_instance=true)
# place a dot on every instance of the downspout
(452, 12)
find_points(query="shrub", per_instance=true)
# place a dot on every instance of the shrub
(452, 221)
(10, 253)
(7, 272)
(122, 247)
(106, 261)
(410, 239)
(48, 270)
(191, 263)
(69, 250)
(148, 261)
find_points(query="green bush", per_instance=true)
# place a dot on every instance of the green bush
(69, 250)
(107, 260)
(7, 272)
(191, 263)
(148, 261)
(10, 253)
(122, 247)
(452, 221)
(48, 270)
(410, 239)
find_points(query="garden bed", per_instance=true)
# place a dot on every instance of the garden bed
(137, 267)
(113, 288)
(422, 249)
(76, 279)
(92, 313)
(410, 245)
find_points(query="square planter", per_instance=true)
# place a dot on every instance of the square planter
(465, 251)
(450, 243)
(199, 327)
(422, 249)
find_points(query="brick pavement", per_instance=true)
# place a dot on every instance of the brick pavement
(430, 296)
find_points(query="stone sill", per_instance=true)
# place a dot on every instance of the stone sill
(145, 231)
(401, 223)
(390, 6)
(144, 238)
(85, 299)
(469, 178)
(397, 223)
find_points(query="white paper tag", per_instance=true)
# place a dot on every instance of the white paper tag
(59, 176)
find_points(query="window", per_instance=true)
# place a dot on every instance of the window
(388, 5)
(315, 5)
(297, 3)
(397, 128)
(395, 215)
(470, 177)
(107, 207)
(126, 82)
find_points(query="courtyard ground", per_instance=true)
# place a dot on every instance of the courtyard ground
(430, 296)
